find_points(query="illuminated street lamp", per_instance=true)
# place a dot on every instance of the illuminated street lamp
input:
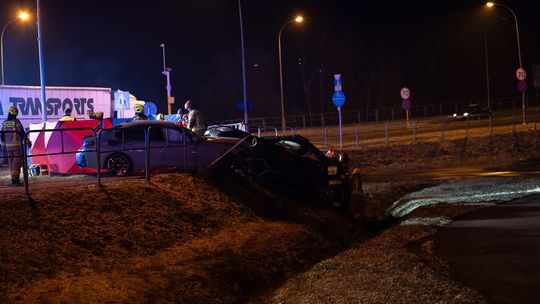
(41, 67)
(298, 19)
(23, 16)
(492, 4)
(246, 126)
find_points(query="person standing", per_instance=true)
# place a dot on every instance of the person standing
(11, 137)
(139, 113)
(67, 116)
(195, 119)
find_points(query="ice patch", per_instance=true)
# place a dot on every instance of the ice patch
(472, 191)
(428, 221)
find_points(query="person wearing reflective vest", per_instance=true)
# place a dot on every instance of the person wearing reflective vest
(139, 113)
(67, 116)
(11, 137)
(195, 119)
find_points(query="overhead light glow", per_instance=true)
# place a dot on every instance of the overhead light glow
(299, 19)
(490, 4)
(24, 15)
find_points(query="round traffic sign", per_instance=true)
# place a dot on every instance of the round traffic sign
(406, 104)
(405, 93)
(150, 108)
(338, 98)
(521, 74)
(522, 86)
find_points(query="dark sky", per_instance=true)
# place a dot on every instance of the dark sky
(436, 49)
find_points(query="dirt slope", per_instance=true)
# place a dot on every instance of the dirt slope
(178, 240)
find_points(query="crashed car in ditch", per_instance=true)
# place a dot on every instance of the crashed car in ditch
(284, 163)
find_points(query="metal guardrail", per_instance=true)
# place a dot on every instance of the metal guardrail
(97, 134)
(323, 119)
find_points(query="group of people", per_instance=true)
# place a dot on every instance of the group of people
(189, 117)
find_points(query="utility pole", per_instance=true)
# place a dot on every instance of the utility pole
(167, 72)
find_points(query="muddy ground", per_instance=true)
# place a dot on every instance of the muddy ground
(182, 239)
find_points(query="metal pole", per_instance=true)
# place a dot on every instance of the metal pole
(386, 132)
(147, 153)
(2, 49)
(41, 68)
(357, 135)
(243, 67)
(519, 53)
(283, 123)
(25, 165)
(487, 71)
(325, 137)
(490, 125)
(98, 154)
(167, 73)
(340, 129)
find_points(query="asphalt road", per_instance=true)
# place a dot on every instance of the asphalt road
(496, 251)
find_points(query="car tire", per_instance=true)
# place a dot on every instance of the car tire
(119, 164)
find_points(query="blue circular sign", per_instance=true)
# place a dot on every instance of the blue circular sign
(150, 108)
(522, 86)
(338, 99)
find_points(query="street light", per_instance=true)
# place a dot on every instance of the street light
(246, 126)
(298, 19)
(492, 4)
(22, 16)
(41, 66)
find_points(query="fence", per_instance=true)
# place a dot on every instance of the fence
(117, 141)
(434, 129)
(376, 115)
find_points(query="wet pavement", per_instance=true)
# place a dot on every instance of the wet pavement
(496, 250)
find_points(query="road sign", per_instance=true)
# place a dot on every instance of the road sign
(121, 100)
(406, 104)
(522, 86)
(337, 83)
(521, 74)
(405, 93)
(338, 99)
(150, 108)
(240, 105)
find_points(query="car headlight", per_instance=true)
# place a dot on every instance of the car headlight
(465, 114)
(455, 115)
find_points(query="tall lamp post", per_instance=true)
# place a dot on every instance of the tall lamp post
(167, 72)
(298, 19)
(41, 68)
(246, 126)
(492, 4)
(23, 16)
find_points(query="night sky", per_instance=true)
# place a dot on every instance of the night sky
(435, 49)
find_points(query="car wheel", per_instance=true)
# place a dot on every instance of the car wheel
(119, 164)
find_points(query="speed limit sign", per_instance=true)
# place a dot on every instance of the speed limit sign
(405, 93)
(521, 74)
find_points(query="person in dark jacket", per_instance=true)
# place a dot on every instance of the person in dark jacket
(67, 116)
(11, 137)
(139, 113)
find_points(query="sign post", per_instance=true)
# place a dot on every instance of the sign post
(405, 102)
(521, 75)
(338, 99)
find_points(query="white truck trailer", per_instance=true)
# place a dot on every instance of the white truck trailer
(81, 100)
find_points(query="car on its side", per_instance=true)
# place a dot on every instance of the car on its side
(122, 148)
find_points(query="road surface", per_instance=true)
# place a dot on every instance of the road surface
(497, 250)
